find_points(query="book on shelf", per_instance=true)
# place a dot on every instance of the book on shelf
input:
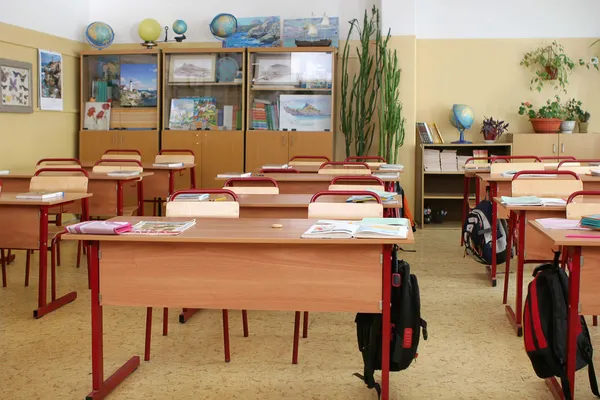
(40, 195)
(431, 160)
(227, 117)
(480, 154)
(123, 174)
(424, 133)
(166, 228)
(168, 164)
(461, 162)
(265, 115)
(448, 161)
(100, 227)
(328, 229)
(234, 175)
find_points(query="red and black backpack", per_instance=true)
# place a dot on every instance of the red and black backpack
(545, 327)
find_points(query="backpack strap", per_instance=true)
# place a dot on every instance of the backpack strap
(588, 356)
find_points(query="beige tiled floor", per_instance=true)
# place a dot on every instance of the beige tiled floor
(471, 353)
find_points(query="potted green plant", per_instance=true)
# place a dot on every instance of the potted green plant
(492, 129)
(571, 112)
(552, 64)
(584, 119)
(545, 120)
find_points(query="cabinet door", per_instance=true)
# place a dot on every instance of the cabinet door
(222, 151)
(536, 144)
(144, 141)
(580, 145)
(266, 147)
(185, 140)
(92, 144)
(311, 144)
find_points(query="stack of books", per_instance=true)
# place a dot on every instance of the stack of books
(461, 160)
(265, 115)
(480, 153)
(590, 221)
(448, 161)
(431, 160)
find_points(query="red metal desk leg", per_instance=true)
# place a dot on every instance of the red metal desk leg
(186, 314)
(171, 183)
(573, 317)
(477, 189)
(386, 327)
(491, 270)
(140, 194)
(100, 387)
(465, 211)
(119, 198)
(193, 178)
(516, 316)
(511, 227)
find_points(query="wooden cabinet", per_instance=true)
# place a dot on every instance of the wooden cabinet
(538, 144)
(266, 147)
(310, 143)
(92, 144)
(579, 145)
(144, 141)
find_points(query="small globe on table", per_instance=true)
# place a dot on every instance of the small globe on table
(180, 27)
(223, 26)
(462, 118)
(99, 35)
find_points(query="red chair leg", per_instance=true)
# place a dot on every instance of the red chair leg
(148, 334)
(595, 320)
(52, 269)
(296, 337)
(27, 264)
(509, 238)
(58, 252)
(305, 325)
(9, 257)
(3, 268)
(165, 321)
(226, 335)
(466, 183)
(245, 322)
(79, 244)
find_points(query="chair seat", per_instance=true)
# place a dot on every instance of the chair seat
(130, 210)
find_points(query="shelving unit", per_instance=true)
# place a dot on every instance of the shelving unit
(444, 189)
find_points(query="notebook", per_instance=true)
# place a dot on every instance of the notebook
(192, 196)
(123, 174)
(40, 195)
(275, 166)
(591, 221)
(391, 175)
(168, 165)
(100, 227)
(4, 171)
(398, 167)
(234, 175)
(326, 229)
(386, 197)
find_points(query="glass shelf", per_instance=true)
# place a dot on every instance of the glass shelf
(204, 89)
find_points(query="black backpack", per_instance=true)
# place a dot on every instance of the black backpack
(477, 235)
(406, 325)
(545, 327)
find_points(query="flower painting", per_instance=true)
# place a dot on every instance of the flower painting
(50, 80)
(97, 116)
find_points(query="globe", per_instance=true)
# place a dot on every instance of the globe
(462, 118)
(223, 26)
(149, 30)
(179, 27)
(99, 34)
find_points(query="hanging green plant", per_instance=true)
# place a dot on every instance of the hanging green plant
(552, 64)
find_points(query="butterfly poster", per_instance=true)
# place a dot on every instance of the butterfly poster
(15, 86)
(50, 79)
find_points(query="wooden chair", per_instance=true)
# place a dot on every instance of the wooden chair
(541, 187)
(199, 209)
(278, 171)
(308, 160)
(352, 211)
(498, 168)
(344, 168)
(122, 154)
(129, 165)
(372, 161)
(580, 167)
(552, 162)
(173, 156)
(371, 183)
(271, 186)
(63, 163)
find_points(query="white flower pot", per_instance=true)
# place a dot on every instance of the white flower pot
(567, 126)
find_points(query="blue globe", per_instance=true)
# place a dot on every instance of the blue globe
(99, 34)
(179, 27)
(462, 117)
(223, 26)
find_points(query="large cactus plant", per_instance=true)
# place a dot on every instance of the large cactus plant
(391, 121)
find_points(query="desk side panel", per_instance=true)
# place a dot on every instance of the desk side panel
(335, 278)
(21, 227)
(589, 297)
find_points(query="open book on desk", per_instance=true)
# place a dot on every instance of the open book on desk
(234, 175)
(386, 197)
(123, 174)
(326, 229)
(160, 227)
(168, 164)
(533, 201)
(532, 175)
(40, 195)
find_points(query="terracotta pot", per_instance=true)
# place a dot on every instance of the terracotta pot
(545, 125)
(490, 136)
(583, 127)
(552, 71)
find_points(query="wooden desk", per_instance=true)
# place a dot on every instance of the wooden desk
(583, 290)
(25, 225)
(537, 248)
(286, 205)
(313, 169)
(287, 273)
(306, 183)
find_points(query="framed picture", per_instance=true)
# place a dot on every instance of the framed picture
(275, 69)
(16, 86)
(256, 32)
(97, 116)
(50, 79)
(305, 112)
(138, 85)
(190, 68)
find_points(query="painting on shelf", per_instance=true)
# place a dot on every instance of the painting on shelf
(182, 114)
(192, 68)
(15, 86)
(97, 116)
(50, 80)
(275, 69)
(256, 32)
(305, 112)
(310, 29)
(138, 85)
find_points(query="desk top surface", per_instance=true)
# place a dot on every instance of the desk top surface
(291, 200)
(559, 236)
(28, 174)
(236, 230)
(287, 177)
(315, 169)
(10, 199)
(147, 166)
(487, 177)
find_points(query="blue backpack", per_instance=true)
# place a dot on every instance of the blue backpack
(477, 234)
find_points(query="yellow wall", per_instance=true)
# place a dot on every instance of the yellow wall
(28, 137)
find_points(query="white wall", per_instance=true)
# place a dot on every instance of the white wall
(124, 16)
(64, 18)
(445, 19)
(399, 16)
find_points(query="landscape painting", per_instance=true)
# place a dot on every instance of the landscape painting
(192, 68)
(182, 114)
(15, 86)
(298, 29)
(271, 69)
(138, 85)
(305, 112)
(50, 79)
(256, 32)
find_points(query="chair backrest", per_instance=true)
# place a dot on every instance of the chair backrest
(578, 210)
(371, 183)
(372, 161)
(119, 164)
(308, 160)
(65, 183)
(470, 162)
(510, 159)
(278, 171)
(578, 169)
(64, 163)
(497, 168)
(203, 209)
(121, 157)
(175, 155)
(252, 185)
(545, 187)
(345, 168)
(253, 189)
(345, 210)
